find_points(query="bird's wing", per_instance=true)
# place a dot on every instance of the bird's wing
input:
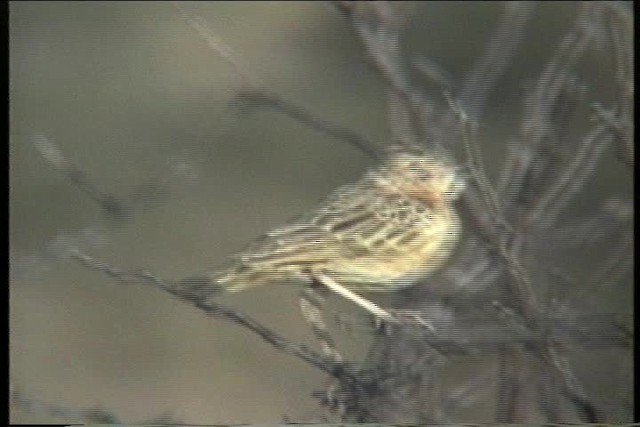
(310, 238)
(341, 227)
(315, 237)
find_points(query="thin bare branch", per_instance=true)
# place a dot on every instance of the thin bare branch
(254, 93)
(198, 297)
(555, 198)
(495, 59)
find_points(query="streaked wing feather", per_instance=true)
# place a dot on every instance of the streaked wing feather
(345, 225)
(309, 236)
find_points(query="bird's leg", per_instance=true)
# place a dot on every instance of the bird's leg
(311, 304)
(311, 307)
(380, 313)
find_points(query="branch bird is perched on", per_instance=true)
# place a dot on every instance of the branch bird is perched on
(389, 229)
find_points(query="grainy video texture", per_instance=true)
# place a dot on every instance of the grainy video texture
(471, 262)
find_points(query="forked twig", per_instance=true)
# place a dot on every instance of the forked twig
(255, 93)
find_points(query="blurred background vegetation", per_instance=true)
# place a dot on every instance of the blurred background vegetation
(130, 93)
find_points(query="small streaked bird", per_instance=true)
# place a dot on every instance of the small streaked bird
(394, 226)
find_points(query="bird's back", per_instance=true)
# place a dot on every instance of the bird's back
(361, 234)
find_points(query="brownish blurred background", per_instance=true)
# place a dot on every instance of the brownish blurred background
(129, 92)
